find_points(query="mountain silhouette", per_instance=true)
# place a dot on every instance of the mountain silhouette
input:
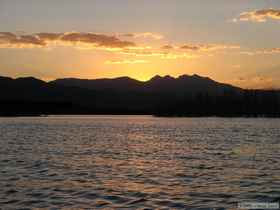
(184, 84)
(187, 95)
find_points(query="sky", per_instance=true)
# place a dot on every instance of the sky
(231, 41)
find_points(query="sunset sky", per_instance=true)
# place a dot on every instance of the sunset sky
(233, 41)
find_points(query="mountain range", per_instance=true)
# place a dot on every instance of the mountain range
(187, 95)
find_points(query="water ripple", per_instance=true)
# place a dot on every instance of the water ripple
(133, 162)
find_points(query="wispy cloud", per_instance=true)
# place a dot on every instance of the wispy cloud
(172, 56)
(208, 47)
(126, 61)
(161, 54)
(200, 47)
(259, 15)
(255, 82)
(187, 51)
(262, 52)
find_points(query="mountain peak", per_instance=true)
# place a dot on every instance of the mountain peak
(160, 78)
(156, 77)
(168, 77)
(183, 76)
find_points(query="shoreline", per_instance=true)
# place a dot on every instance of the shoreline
(138, 115)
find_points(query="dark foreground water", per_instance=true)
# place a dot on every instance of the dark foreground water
(118, 162)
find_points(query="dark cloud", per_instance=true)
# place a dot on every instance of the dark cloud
(29, 39)
(100, 40)
(49, 36)
(129, 35)
(7, 35)
(8, 39)
(190, 47)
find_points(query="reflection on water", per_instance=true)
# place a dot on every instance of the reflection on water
(118, 162)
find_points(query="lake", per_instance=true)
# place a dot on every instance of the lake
(138, 162)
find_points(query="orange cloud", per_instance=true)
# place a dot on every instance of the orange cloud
(259, 15)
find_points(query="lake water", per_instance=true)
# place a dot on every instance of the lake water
(137, 162)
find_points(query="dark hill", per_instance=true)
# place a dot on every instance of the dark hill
(121, 83)
(163, 96)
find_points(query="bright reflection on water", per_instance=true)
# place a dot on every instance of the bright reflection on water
(117, 162)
